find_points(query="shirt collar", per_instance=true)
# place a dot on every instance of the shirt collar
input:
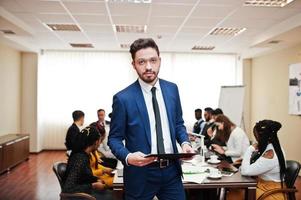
(147, 87)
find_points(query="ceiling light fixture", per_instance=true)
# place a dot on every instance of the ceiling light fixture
(227, 31)
(81, 45)
(267, 3)
(130, 28)
(205, 48)
(125, 46)
(63, 27)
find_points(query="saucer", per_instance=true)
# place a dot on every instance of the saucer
(216, 176)
(213, 161)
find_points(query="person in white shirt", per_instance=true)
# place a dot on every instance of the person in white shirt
(235, 138)
(265, 159)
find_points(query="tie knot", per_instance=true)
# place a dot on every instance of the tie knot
(153, 90)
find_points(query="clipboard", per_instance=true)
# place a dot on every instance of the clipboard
(172, 156)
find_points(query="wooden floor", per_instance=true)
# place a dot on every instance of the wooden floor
(34, 179)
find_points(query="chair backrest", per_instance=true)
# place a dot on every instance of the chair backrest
(59, 168)
(292, 172)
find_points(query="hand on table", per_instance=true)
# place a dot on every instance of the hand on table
(138, 159)
(218, 149)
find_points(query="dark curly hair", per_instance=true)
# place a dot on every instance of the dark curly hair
(87, 137)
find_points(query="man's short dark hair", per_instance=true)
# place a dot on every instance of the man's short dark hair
(143, 43)
(218, 111)
(99, 110)
(209, 110)
(76, 115)
(198, 110)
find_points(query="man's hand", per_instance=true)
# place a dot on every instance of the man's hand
(186, 148)
(218, 149)
(98, 186)
(138, 159)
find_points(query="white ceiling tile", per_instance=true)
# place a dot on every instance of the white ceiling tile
(171, 10)
(262, 13)
(37, 26)
(130, 9)
(86, 7)
(202, 22)
(98, 28)
(72, 37)
(250, 23)
(166, 21)
(92, 19)
(130, 20)
(55, 18)
(212, 11)
(195, 30)
(130, 37)
(37, 6)
(25, 16)
(11, 6)
(158, 29)
(174, 1)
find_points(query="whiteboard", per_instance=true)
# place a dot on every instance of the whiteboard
(295, 89)
(231, 101)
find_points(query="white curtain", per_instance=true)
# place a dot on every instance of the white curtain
(87, 81)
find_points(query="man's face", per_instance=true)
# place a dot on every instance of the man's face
(198, 115)
(147, 64)
(207, 116)
(101, 116)
(81, 121)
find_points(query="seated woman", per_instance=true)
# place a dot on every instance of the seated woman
(79, 177)
(265, 159)
(103, 173)
(234, 137)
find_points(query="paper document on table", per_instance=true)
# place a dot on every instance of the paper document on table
(194, 178)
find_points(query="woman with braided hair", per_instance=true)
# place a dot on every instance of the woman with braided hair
(265, 159)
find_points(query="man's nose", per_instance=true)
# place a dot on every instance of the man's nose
(148, 66)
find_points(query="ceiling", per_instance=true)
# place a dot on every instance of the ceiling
(176, 25)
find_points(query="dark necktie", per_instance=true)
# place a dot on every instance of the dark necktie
(160, 142)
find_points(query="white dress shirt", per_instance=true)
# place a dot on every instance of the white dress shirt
(147, 94)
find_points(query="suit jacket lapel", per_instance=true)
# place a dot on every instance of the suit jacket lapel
(143, 111)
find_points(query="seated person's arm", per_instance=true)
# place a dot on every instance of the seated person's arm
(262, 165)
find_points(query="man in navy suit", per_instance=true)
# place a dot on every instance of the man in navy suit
(147, 115)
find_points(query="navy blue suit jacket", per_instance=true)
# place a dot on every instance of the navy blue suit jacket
(130, 122)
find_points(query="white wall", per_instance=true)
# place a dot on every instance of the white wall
(29, 99)
(10, 90)
(268, 76)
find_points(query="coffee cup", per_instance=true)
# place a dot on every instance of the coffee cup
(214, 158)
(214, 172)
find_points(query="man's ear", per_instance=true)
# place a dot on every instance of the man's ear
(133, 64)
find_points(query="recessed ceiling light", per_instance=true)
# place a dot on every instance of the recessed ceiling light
(267, 3)
(64, 27)
(274, 41)
(130, 28)
(206, 48)
(130, 1)
(125, 46)
(81, 45)
(227, 31)
(8, 32)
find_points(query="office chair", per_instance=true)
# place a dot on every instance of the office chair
(291, 174)
(59, 168)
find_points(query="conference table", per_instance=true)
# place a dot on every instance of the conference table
(235, 181)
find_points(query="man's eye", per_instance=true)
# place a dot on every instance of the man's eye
(154, 60)
(141, 62)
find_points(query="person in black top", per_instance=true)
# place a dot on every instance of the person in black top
(78, 120)
(79, 177)
(200, 123)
